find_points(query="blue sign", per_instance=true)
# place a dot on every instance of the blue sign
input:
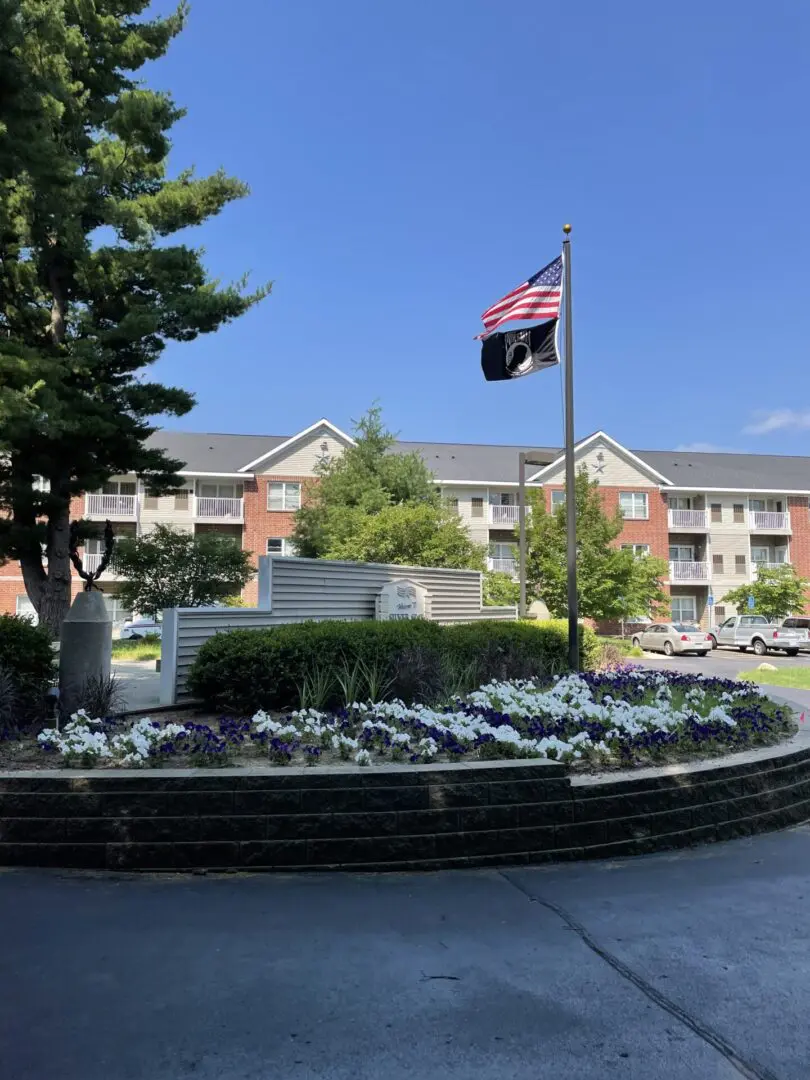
(710, 601)
(751, 603)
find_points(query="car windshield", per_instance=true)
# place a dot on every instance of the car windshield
(686, 628)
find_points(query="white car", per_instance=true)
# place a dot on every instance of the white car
(140, 628)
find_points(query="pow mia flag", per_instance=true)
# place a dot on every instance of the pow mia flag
(520, 352)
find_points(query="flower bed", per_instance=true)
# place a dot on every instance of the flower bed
(601, 720)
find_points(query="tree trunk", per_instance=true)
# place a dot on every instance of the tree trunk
(49, 590)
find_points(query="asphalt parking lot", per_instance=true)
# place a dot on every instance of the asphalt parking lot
(724, 663)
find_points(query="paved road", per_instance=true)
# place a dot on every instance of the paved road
(670, 967)
(726, 663)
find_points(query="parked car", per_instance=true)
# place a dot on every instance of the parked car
(799, 622)
(755, 632)
(671, 638)
(140, 628)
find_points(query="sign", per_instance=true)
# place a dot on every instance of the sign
(751, 603)
(710, 600)
(403, 600)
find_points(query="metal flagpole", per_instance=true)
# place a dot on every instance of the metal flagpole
(570, 474)
(522, 524)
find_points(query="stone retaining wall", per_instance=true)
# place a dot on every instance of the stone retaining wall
(396, 818)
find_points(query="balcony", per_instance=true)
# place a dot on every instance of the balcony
(114, 507)
(503, 566)
(219, 510)
(503, 515)
(91, 561)
(689, 572)
(768, 521)
(688, 520)
(762, 565)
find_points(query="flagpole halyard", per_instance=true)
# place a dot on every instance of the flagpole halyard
(570, 473)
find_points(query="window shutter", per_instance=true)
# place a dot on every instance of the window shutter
(739, 564)
(739, 514)
(477, 507)
(717, 563)
(181, 500)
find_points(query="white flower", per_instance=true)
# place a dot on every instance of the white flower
(362, 757)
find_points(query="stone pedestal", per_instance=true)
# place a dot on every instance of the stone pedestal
(86, 648)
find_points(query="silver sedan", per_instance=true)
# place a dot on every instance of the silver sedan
(672, 638)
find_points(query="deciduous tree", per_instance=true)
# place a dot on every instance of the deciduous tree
(778, 591)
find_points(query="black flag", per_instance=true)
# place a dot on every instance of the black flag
(520, 352)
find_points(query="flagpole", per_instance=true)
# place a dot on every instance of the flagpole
(570, 474)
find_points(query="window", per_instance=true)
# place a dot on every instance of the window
(41, 484)
(757, 505)
(719, 614)
(452, 505)
(476, 507)
(684, 609)
(739, 514)
(499, 549)
(181, 500)
(283, 496)
(717, 512)
(717, 564)
(681, 553)
(503, 498)
(557, 499)
(739, 564)
(679, 502)
(118, 613)
(150, 502)
(280, 545)
(753, 620)
(637, 549)
(25, 608)
(728, 624)
(220, 491)
(633, 504)
(118, 487)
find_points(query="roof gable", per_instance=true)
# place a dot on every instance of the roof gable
(592, 442)
(277, 451)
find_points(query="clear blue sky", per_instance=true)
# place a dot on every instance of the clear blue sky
(410, 163)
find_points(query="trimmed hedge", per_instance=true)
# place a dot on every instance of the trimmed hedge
(26, 671)
(246, 670)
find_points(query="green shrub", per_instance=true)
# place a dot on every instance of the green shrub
(27, 659)
(246, 670)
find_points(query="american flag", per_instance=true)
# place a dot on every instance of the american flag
(537, 298)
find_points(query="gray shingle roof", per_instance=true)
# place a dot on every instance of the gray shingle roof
(453, 462)
(771, 472)
(205, 452)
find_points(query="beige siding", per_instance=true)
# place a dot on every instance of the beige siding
(302, 457)
(165, 513)
(614, 470)
(478, 527)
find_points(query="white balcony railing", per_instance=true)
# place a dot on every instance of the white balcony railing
(769, 519)
(111, 506)
(503, 515)
(688, 519)
(760, 564)
(210, 509)
(91, 560)
(503, 566)
(688, 571)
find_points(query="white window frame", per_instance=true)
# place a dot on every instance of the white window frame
(679, 502)
(287, 546)
(634, 512)
(679, 548)
(290, 492)
(502, 549)
(639, 550)
(225, 490)
(681, 618)
(557, 498)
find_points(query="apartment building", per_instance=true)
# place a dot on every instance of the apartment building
(715, 518)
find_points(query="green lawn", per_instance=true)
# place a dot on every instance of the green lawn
(797, 677)
(147, 648)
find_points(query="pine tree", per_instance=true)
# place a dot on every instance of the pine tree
(90, 291)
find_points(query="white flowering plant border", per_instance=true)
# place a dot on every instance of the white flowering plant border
(607, 719)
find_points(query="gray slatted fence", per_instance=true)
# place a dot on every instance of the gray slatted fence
(296, 590)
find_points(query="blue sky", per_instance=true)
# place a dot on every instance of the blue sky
(410, 163)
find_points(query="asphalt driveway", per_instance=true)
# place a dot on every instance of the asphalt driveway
(683, 966)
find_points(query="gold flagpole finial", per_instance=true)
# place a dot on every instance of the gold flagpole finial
(566, 229)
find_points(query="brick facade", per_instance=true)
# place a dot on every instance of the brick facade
(262, 524)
